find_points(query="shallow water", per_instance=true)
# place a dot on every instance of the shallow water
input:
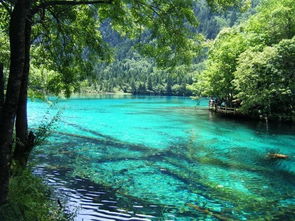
(163, 158)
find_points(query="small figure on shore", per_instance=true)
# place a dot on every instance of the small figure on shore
(211, 102)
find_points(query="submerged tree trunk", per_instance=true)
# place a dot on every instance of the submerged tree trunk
(24, 145)
(17, 59)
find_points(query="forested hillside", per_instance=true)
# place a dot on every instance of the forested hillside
(133, 73)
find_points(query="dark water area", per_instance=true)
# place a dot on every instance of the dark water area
(164, 158)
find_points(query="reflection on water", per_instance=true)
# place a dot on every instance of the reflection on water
(159, 158)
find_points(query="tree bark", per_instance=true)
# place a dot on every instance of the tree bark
(17, 59)
(24, 145)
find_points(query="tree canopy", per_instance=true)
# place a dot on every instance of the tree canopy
(254, 63)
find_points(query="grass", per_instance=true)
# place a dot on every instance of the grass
(30, 200)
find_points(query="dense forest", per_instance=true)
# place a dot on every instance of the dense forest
(136, 74)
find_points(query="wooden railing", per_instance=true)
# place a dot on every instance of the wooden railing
(222, 109)
(226, 110)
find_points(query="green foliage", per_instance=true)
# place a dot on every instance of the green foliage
(266, 80)
(42, 82)
(253, 62)
(45, 129)
(139, 75)
(274, 22)
(69, 42)
(218, 3)
(216, 79)
(4, 47)
(66, 44)
(29, 200)
(136, 74)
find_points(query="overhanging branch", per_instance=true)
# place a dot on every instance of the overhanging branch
(44, 5)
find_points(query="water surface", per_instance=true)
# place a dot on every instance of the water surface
(164, 158)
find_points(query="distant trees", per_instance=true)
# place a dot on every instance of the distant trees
(133, 73)
(254, 63)
(139, 75)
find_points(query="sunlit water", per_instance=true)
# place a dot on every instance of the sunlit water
(163, 158)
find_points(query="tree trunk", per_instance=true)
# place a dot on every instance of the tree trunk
(24, 145)
(17, 59)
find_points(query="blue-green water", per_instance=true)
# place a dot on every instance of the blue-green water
(164, 158)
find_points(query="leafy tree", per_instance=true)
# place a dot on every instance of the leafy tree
(266, 80)
(216, 79)
(274, 22)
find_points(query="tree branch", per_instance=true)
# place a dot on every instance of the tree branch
(68, 3)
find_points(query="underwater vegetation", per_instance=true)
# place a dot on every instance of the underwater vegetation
(187, 178)
(176, 160)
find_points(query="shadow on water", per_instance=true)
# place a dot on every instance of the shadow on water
(195, 113)
(272, 127)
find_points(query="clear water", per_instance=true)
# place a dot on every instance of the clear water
(164, 158)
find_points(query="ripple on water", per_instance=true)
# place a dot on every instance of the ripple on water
(91, 201)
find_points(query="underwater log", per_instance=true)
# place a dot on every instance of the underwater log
(210, 212)
(277, 156)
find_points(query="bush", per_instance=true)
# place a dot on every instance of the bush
(29, 200)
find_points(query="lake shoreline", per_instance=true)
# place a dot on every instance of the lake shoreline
(245, 117)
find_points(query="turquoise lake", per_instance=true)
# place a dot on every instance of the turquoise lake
(163, 158)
